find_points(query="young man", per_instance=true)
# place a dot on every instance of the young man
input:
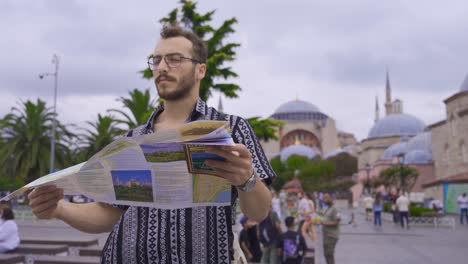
(190, 235)
(331, 228)
(248, 240)
(402, 204)
(269, 231)
(463, 205)
(291, 246)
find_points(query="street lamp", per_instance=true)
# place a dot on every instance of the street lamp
(368, 169)
(400, 159)
(55, 60)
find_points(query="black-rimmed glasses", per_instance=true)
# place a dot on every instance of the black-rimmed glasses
(172, 60)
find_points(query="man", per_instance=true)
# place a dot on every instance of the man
(303, 210)
(248, 240)
(463, 205)
(269, 231)
(291, 245)
(190, 235)
(402, 204)
(368, 204)
(331, 228)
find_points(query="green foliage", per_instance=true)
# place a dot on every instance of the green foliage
(387, 206)
(101, 134)
(265, 129)
(10, 183)
(345, 164)
(418, 211)
(26, 134)
(219, 52)
(399, 177)
(140, 106)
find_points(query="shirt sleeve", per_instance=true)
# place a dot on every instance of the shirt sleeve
(243, 133)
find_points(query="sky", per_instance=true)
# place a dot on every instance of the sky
(333, 54)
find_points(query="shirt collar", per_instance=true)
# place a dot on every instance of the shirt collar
(199, 110)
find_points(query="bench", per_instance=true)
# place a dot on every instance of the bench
(94, 251)
(11, 259)
(41, 249)
(66, 260)
(73, 244)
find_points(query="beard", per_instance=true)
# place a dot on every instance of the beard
(183, 88)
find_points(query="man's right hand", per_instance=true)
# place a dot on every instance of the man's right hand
(44, 201)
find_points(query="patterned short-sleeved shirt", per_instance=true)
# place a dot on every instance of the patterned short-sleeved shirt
(189, 235)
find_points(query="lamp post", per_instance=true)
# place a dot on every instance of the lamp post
(401, 157)
(368, 169)
(55, 60)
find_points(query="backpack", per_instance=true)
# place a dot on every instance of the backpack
(291, 248)
(268, 232)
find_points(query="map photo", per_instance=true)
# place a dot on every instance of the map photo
(210, 189)
(163, 152)
(133, 185)
(197, 155)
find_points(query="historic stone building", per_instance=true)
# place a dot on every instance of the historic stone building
(450, 150)
(306, 131)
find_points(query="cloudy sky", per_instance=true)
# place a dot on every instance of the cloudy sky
(333, 54)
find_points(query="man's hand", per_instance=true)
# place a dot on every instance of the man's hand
(237, 166)
(44, 201)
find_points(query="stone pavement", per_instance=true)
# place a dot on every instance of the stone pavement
(391, 244)
(357, 245)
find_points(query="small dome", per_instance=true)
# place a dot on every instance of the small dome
(421, 141)
(334, 153)
(297, 106)
(418, 157)
(300, 150)
(464, 86)
(397, 125)
(394, 150)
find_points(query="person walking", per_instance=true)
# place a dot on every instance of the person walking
(368, 204)
(463, 205)
(403, 207)
(291, 246)
(269, 231)
(9, 238)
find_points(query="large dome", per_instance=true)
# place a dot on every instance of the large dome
(299, 150)
(397, 125)
(298, 110)
(297, 106)
(464, 86)
(418, 150)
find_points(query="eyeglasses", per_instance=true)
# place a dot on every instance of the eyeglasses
(173, 60)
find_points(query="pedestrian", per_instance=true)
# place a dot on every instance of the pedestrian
(368, 204)
(378, 207)
(402, 204)
(201, 234)
(308, 227)
(291, 246)
(276, 203)
(269, 231)
(463, 206)
(9, 238)
(331, 228)
(303, 209)
(248, 240)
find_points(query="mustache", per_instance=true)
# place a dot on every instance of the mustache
(166, 76)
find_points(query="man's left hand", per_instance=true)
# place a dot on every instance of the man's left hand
(237, 166)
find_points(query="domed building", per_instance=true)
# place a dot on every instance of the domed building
(306, 131)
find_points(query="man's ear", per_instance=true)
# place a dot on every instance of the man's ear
(200, 72)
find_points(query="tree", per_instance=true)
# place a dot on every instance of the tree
(400, 177)
(26, 148)
(103, 132)
(219, 52)
(140, 106)
(265, 129)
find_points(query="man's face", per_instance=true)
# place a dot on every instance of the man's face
(174, 83)
(327, 199)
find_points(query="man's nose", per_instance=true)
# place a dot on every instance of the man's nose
(163, 67)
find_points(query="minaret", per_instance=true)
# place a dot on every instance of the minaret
(388, 97)
(220, 105)
(377, 109)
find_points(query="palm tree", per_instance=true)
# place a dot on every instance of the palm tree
(265, 129)
(140, 105)
(26, 141)
(101, 134)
